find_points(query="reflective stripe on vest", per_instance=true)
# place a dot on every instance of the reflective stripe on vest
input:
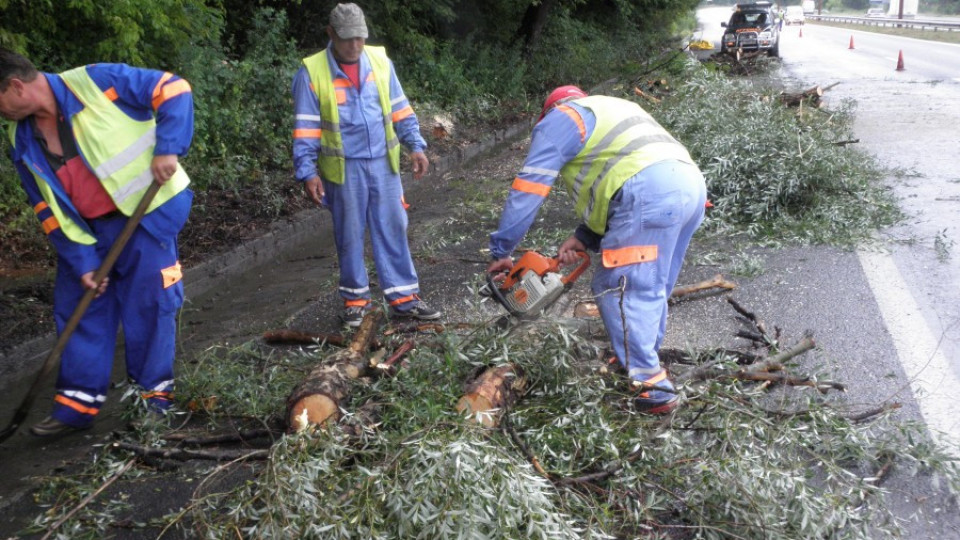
(625, 140)
(99, 127)
(331, 140)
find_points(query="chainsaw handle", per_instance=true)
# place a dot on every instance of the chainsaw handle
(584, 264)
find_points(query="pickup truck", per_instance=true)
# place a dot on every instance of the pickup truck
(752, 27)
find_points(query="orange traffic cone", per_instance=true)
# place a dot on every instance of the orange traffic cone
(851, 42)
(900, 62)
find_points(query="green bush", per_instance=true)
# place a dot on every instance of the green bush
(244, 109)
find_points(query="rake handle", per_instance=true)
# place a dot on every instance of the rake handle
(21, 413)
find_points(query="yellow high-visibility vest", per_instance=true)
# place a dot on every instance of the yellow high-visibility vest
(332, 159)
(625, 140)
(117, 148)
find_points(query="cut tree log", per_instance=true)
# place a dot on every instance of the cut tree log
(317, 398)
(490, 392)
(810, 97)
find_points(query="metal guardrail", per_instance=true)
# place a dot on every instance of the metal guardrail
(918, 24)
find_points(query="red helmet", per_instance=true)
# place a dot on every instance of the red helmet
(563, 92)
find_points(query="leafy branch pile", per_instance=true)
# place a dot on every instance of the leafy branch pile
(777, 172)
(738, 460)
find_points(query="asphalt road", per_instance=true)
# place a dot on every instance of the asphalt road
(908, 119)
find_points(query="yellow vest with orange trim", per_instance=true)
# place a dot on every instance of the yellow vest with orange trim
(332, 159)
(124, 168)
(625, 140)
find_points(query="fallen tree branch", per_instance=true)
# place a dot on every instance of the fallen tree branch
(787, 379)
(871, 413)
(507, 427)
(490, 392)
(773, 363)
(846, 142)
(185, 454)
(239, 436)
(752, 318)
(387, 366)
(317, 398)
(86, 500)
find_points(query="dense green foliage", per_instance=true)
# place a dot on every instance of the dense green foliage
(476, 61)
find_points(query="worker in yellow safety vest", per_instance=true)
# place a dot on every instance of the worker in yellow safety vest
(351, 118)
(87, 144)
(640, 197)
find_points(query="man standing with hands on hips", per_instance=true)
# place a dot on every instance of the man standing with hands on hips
(640, 196)
(87, 144)
(351, 117)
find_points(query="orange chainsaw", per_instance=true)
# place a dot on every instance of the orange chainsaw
(533, 284)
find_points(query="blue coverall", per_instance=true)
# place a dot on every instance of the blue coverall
(662, 205)
(371, 196)
(136, 296)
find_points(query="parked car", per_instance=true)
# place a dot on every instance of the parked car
(752, 27)
(794, 15)
(875, 12)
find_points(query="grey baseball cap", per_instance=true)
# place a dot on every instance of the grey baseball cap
(347, 21)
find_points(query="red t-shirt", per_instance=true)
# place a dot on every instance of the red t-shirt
(352, 72)
(82, 186)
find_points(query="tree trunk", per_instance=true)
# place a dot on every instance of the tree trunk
(317, 398)
(532, 25)
(494, 389)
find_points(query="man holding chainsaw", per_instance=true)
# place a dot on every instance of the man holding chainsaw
(87, 144)
(352, 114)
(640, 196)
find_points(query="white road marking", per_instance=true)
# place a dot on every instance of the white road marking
(934, 383)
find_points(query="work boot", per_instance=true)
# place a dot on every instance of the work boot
(416, 309)
(353, 315)
(651, 401)
(50, 426)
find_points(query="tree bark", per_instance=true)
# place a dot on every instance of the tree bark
(489, 393)
(317, 398)
(811, 96)
(533, 23)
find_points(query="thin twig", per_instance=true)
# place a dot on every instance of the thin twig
(870, 413)
(88, 498)
(507, 426)
(183, 454)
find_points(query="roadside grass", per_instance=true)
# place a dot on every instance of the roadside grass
(928, 35)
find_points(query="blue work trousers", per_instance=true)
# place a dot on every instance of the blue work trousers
(137, 298)
(370, 198)
(661, 206)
